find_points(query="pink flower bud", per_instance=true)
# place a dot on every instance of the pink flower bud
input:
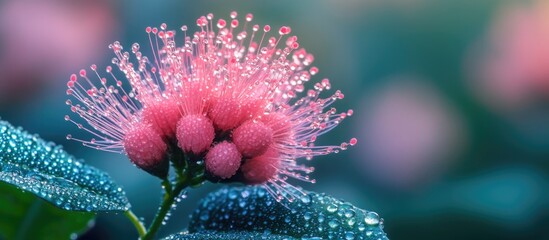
(223, 160)
(195, 133)
(146, 149)
(163, 116)
(252, 138)
(225, 113)
(262, 168)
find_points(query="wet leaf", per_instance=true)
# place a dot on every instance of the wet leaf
(227, 236)
(313, 216)
(25, 216)
(49, 172)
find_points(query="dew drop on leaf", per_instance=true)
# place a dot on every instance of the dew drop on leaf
(318, 216)
(50, 173)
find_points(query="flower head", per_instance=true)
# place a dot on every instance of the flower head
(232, 95)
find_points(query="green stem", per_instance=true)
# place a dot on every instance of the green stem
(167, 202)
(167, 186)
(184, 178)
(136, 223)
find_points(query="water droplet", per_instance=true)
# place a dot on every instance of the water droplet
(49, 172)
(332, 208)
(320, 218)
(351, 221)
(333, 223)
(349, 213)
(233, 194)
(234, 14)
(371, 218)
(204, 216)
(349, 235)
(284, 30)
(287, 219)
(353, 141)
(306, 199)
(135, 47)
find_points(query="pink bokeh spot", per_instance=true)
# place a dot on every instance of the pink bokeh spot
(514, 72)
(409, 135)
(44, 39)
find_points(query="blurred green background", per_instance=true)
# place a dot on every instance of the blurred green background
(451, 102)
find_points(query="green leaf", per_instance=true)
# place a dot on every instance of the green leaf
(312, 216)
(49, 172)
(24, 216)
(226, 236)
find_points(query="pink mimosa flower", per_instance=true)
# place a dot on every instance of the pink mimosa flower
(232, 95)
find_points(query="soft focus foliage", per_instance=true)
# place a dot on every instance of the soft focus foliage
(25, 216)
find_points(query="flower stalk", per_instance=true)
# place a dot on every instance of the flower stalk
(188, 173)
(141, 230)
(168, 200)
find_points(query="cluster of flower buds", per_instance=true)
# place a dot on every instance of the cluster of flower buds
(231, 97)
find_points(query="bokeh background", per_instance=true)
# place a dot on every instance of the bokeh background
(451, 102)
